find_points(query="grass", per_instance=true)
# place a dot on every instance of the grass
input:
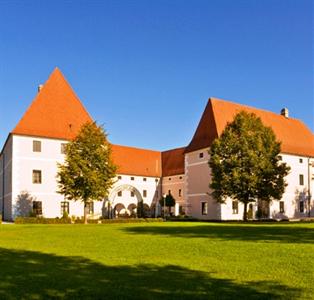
(157, 261)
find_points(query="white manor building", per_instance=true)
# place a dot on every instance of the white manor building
(28, 164)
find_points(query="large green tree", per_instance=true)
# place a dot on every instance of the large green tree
(88, 171)
(245, 162)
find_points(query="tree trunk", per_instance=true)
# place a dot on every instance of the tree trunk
(85, 212)
(245, 212)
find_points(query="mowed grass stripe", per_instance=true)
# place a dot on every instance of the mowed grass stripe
(159, 260)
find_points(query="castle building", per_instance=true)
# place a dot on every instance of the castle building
(29, 158)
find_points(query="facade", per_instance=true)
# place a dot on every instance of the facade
(32, 151)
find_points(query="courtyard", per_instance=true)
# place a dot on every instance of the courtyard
(157, 261)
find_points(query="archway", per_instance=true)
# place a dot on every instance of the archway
(131, 207)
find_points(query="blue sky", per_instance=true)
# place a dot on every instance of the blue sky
(145, 69)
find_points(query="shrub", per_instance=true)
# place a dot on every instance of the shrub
(40, 220)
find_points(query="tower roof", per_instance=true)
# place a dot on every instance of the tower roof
(56, 111)
(294, 136)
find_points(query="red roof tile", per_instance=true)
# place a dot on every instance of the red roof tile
(295, 137)
(173, 162)
(56, 112)
(135, 161)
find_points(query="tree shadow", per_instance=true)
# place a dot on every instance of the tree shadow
(34, 275)
(283, 233)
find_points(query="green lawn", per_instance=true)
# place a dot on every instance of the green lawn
(157, 261)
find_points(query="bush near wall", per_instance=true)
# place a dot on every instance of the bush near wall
(0, 219)
(78, 220)
(139, 220)
(33, 220)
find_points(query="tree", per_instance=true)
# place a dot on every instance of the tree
(169, 201)
(88, 171)
(245, 162)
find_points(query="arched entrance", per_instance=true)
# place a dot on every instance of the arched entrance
(131, 205)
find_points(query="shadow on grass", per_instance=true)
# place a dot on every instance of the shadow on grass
(34, 275)
(269, 233)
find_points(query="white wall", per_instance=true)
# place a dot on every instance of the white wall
(6, 179)
(25, 160)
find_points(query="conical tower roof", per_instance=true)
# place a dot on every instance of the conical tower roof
(56, 111)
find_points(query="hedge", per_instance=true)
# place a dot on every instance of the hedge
(33, 220)
(40, 220)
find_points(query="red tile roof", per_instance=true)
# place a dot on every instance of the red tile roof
(56, 111)
(173, 162)
(135, 161)
(295, 137)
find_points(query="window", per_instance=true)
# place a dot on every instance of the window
(281, 206)
(169, 192)
(279, 157)
(201, 155)
(204, 208)
(180, 193)
(132, 178)
(36, 146)
(90, 207)
(301, 179)
(301, 207)
(36, 176)
(120, 194)
(169, 178)
(144, 193)
(119, 177)
(132, 194)
(65, 207)
(144, 179)
(156, 180)
(63, 148)
(180, 177)
(37, 208)
(235, 207)
(301, 160)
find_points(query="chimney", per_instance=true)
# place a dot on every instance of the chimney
(40, 87)
(285, 112)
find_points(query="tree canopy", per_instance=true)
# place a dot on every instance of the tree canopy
(245, 162)
(88, 171)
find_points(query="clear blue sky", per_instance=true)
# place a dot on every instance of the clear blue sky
(145, 69)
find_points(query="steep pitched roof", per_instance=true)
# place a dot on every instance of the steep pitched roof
(56, 111)
(135, 161)
(173, 162)
(295, 137)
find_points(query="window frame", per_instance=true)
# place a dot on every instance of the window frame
(36, 146)
(301, 205)
(204, 208)
(301, 179)
(144, 193)
(281, 207)
(63, 148)
(235, 207)
(40, 178)
(37, 208)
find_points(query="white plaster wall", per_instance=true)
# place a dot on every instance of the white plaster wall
(152, 185)
(6, 179)
(25, 160)
(294, 191)
(197, 178)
